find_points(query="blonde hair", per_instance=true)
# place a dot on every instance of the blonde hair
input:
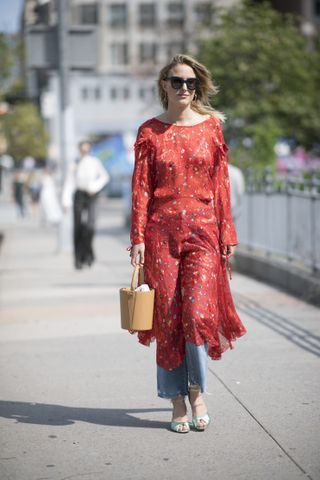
(203, 93)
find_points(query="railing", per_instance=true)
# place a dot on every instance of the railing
(281, 218)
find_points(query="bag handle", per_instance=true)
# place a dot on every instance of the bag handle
(135, 277)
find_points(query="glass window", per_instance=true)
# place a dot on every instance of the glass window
(174, 48)
(147, 93)
(119, 93)
(126, 93)
(119, 54)
(148, 52)
(118, 15)
(97, 93)
(42, 13)
(88, 14)
(113, 93)
(175, 14)
(147, 15)
(203, 12)
(142, 93)
(84, 93)
(317, 8)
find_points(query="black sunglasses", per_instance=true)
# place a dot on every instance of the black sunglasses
(177, 82)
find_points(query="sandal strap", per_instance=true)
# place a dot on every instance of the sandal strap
(197, 419)
(176, 426)
(204, 418)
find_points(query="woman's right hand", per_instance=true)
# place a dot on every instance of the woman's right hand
(137, 254)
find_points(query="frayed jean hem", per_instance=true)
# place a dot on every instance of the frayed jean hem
(168, 396)
(192, 371)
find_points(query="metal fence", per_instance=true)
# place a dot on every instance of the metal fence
(281, 218)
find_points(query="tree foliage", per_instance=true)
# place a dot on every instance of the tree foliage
(268, 78)
(5, 63)
(24, 131)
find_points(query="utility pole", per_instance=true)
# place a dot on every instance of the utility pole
(63, 81)
(65, 117)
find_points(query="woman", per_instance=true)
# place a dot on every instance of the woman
(182, 233)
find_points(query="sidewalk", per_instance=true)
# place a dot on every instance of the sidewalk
(78, 395)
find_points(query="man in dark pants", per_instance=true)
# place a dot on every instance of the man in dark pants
(86, 178)
(83, 231)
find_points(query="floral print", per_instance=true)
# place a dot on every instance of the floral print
(181, 211)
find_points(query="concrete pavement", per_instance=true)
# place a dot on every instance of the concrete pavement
(78, 395)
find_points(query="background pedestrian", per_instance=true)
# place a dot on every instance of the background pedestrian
(85, 179)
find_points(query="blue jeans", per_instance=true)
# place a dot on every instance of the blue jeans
(192, 371)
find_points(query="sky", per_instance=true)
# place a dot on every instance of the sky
(10, 11)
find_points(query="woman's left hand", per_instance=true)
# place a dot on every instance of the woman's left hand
(228, 250)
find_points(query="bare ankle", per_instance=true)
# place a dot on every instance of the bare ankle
(179, 407)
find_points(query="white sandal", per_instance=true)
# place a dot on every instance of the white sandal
(199, 422)
(180, 427)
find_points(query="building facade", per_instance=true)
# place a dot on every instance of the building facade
(115, 50)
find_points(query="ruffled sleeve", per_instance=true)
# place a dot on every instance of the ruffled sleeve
(142, 188)
(221, 192)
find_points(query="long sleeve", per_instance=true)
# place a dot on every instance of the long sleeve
(221, 191)
(142, 189)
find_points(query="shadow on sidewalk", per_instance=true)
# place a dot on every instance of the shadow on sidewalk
(294, 333)
(46, 414)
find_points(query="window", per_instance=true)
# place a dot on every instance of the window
(203, 12)
(119, 54)
(317, 8)
(147, 93)
(148, 52)
(147, 15)
(88, 14)
(42, 14)
(97, 93)
(175, 14)
(126, 93)
(118, 15)
(142, 93)
(119, 93)
(113, 93)
(91, 93)
(174, 48)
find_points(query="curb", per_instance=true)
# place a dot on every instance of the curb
(289, 278)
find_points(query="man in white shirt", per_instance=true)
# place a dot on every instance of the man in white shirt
(85, 179)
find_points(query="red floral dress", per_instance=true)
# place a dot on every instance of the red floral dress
(181, 211)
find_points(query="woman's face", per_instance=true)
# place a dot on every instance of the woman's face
(183, 96)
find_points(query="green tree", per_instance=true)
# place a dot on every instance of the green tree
(25, 132)
(5, 63)
(268, 76)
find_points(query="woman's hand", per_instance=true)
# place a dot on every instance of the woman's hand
(137, 254)
(228, 250)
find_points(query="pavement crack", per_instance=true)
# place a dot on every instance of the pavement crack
(261, 425)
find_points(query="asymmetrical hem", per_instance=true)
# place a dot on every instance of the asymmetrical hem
(181, 211)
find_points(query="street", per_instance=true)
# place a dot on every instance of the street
(78, 394)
